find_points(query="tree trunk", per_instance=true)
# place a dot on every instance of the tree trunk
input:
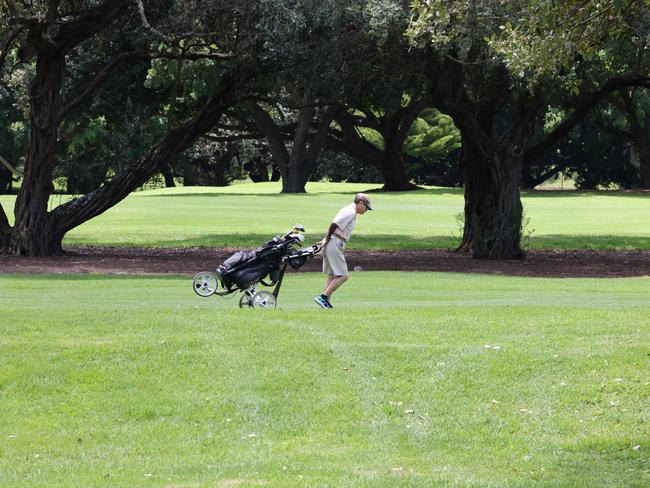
(5, 231)
(168, 174)
(275, 173)
(32, 231)
(639, 134)
(394, 129)
(643, 151)
(295, 167)
(393, 170)
(257, 170)
(295, 179)
(5, 180)
(492, 176)
(493, 210)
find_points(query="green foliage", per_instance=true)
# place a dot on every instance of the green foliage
(534, 39)
(432, 143)
(548, 37)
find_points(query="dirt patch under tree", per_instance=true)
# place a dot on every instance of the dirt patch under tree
(188, 261)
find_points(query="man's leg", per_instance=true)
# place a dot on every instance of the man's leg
(336, 268)
(330, 277)
(333, 284)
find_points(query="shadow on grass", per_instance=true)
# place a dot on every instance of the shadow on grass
(384, 242)
(255, 240)
(645, 194)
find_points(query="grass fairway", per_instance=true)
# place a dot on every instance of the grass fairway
(248, 214)
(415, 379)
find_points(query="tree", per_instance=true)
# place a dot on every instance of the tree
(295, 105)
(387, 154)
(634, 104)
(296, 161)
(529, 50)
(383, 93)
(49, 36)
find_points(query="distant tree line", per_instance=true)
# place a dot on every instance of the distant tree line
(100, 97)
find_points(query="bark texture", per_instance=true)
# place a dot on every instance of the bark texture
(490, 162)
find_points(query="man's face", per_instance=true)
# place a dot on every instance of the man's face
(361, 207)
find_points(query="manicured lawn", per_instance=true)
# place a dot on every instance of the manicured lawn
(415, 379)
(246, 215)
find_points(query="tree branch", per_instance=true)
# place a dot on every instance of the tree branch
(236, 137)
(272, 133)
(320, 137)
(106, 70)
(535, 151)
(551, 172)
(351, 142)
(4, 222)
(148, 26)
(171, 40)
(89, 22)
(81, 209)
(7, 46)
(410, 113)
(11, 168)
(99, 78)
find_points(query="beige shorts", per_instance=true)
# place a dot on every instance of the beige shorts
(333, 258)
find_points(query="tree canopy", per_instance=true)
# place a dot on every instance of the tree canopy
(103, 95)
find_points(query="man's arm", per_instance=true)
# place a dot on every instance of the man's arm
(330, 231)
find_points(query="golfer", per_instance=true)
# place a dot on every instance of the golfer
(338, 234)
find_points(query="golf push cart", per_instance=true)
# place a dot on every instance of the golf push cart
(244, 271)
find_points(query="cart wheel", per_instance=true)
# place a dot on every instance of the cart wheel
(263, 299)
(245, 301)
(204, 284)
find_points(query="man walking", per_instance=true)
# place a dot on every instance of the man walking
(338, 234)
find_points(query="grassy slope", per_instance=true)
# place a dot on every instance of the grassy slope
(137, 382)
(245, 215)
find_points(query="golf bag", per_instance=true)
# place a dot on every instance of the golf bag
(266, 265)
(245, 268)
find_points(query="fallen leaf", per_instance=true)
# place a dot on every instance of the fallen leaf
(636, 448)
